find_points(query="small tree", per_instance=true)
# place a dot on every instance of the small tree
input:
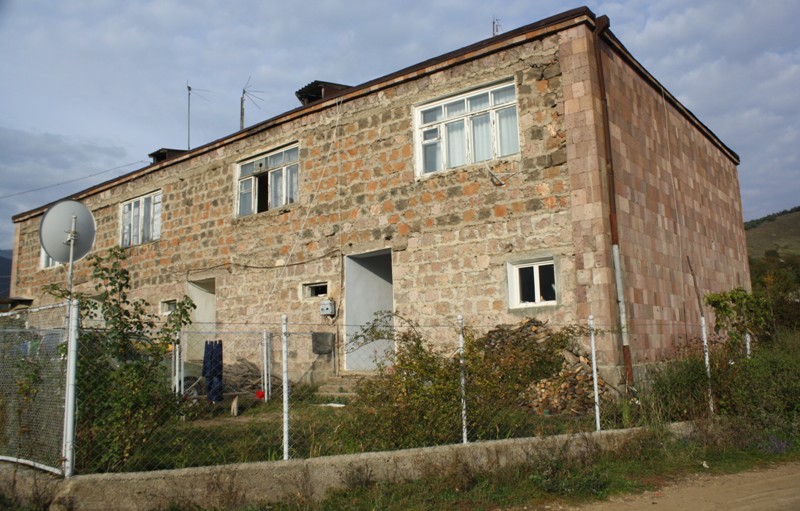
(123, 392)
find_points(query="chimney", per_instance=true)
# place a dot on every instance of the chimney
(165, 154)
(318, 90)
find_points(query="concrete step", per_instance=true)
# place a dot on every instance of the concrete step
(339, 386)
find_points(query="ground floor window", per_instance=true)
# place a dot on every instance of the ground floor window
(532, 283)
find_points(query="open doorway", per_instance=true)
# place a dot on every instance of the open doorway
(368, 289)
(204, 317)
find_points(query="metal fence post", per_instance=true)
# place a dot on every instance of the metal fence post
(264, 367)
(463, 380)
(68, 447)
(747, 344)
(707, 362)
(285, 367)
(594, 376)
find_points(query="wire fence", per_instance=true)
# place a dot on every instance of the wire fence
(227, 394)
(32, 386)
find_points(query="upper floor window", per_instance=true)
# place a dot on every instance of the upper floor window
(269, 181)
(141, 219)
(45, 261)
(473, 127)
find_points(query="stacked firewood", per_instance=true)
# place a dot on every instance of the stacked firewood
(243, 376)
(571, 391)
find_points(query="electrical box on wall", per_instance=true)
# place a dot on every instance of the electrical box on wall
(327, 307)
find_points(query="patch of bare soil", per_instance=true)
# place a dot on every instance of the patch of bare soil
(775, 488)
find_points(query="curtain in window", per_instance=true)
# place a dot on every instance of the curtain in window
(135, 223)
(456, 144)
(157, 216)
(276, 188)
(291, 184)
(481, 137)
(507, 133)
(147, 216)
(126, 225)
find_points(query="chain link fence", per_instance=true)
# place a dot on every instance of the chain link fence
(221, 394)
(32, 386)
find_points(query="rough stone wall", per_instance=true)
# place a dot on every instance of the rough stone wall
(678, 197)
(450, 234)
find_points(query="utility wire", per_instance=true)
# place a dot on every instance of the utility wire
(71, 180)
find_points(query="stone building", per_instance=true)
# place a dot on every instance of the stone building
(542, 172)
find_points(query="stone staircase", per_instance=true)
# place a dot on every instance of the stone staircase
(339, 387)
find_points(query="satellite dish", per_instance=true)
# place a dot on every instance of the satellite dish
(67, 229)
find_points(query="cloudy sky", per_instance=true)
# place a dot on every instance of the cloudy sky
(90, 87)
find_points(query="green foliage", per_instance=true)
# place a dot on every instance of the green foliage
(760, 395)
(415, 398)
(739, 313)
(123, 391)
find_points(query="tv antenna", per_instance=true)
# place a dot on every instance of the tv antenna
(189, 91)
(496, 28)
(66, 234)
(247, 93)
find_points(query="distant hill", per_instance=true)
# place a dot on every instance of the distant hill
(779, 231)
(5, 272)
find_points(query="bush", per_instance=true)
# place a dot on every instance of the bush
(123, 390)
(414, 399)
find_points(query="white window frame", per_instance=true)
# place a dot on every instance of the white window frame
(255, 185)
(310, 290)
(515, 300)
(167, 307)
(140, 219)
(45, 261)
(434, 121)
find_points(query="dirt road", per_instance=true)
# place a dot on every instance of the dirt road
(767, 489)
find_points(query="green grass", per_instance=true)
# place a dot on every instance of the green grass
(651, 460)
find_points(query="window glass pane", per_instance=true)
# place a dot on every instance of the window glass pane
(275, 160)
(456, 144)
(547, 282)
(146, 219)
(504, 95)
(290, 155)
(431, 157)
(455, 109)
(432, 115)
(245, 197)
(291, 184)
(507, 131)
(157, 216)
(527, 285)
(247, 169)
(260, 165)
(135, 223)
(126, 225)
(276, 188)
(478, 102)
(481, 137)
(431, 134)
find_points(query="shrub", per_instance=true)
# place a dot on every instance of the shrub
(123, 391)
(415, 398)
